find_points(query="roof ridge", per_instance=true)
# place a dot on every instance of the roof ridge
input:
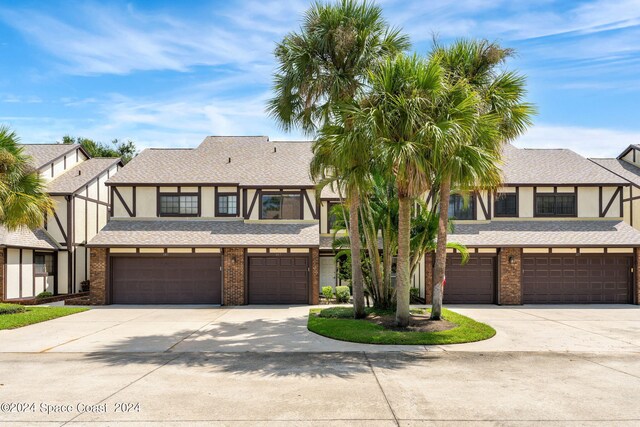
(48, 143)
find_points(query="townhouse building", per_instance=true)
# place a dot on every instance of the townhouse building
(237, 220)
(554, 233)
(54, 258)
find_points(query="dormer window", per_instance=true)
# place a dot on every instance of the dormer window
(506, 205)
(459, 208)
(178, 204)
(227, 204)
(556, 204)
(280, 206)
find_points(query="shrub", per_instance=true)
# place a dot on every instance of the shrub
(415, 294)
(44, 294)
(11, 308)
(327, 292)
(342, 294)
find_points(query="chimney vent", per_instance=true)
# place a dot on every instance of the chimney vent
(229, 160)
(275, 149)
(79, 172)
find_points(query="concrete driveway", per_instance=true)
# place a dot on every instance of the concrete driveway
(118, 329)
(260, 366)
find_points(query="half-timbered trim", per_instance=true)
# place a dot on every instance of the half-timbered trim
(124, 204)
(133, 200)
(617, 193)
(315, 213)
(64, 235)
(485, 212)
(256, 196)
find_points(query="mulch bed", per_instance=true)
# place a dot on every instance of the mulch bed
(417, 323)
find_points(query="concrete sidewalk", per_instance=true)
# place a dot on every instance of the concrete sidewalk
(178, 329)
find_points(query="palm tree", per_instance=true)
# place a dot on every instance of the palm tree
(473, 162)
(324, 65)
(409, 111)
(24, 201)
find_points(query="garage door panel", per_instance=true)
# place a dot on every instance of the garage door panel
(582, 279)
(278, 280)
(166, 280)
(472, 283)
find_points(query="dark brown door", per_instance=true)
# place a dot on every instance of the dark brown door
(571, 279)
(278, 280)
(472, 283)
(166, 280)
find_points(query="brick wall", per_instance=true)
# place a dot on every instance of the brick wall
(510, 276)
(636, 277)
(233, 277)
(428, 277)
(314, 298)
(98, 276)
(3, 284)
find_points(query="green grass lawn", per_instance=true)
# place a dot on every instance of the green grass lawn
(338, 323)
(32, 315)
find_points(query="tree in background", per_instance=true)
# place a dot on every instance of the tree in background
(125, 150)
(24, 201)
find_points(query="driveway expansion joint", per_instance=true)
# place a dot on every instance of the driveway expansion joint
(395, 417)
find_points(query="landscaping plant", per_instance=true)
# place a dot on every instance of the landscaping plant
(11, 308)
(24, 201)
(324, 65)
(327, 293)
(342, 294)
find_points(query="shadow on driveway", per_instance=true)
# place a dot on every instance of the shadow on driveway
(266, 347)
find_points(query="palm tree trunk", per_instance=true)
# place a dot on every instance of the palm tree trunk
(441, 250)
(357, 284)
(371, 237)
(387, 261)
(403, 260)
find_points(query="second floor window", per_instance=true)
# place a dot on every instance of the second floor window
(227, 205)
(459, 208)
(506, 205)
(178, 205)
(280, 206)
(556, 204)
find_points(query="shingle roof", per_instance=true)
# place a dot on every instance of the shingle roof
(546, 234)
(622, 168)
(552, 167)
(200, 233)
(249, 161)
(41, 154)
(81, 174)
(626, 150)
(26, 238)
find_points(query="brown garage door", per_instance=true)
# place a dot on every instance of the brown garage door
(278, 280)
(472, 283)
(571, 279)
(166, 280)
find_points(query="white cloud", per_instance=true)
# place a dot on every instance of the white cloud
(589, 142)
(108, 41)
(179, 121)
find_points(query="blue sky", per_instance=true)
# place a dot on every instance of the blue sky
(167, 73)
